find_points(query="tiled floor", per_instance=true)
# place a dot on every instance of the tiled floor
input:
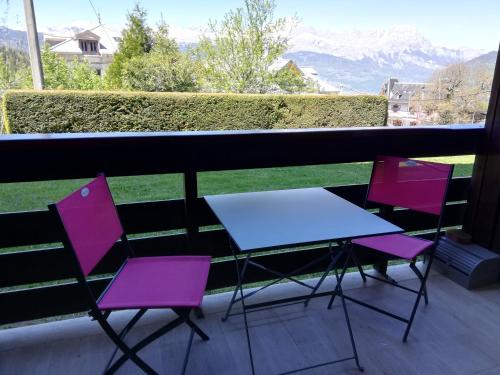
(457, 333)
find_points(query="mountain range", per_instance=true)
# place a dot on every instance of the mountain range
(15, 38)
(360, 61)
(356, 60)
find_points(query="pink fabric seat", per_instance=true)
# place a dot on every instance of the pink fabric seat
(90, 228)
(415, 185)
(158, 282)
(400, 245)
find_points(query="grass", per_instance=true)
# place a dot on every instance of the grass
(37, 195)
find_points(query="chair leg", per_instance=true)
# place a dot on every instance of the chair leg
(198, 330)
(198, 312)
(128, 353)
(417, 272)
(421, 291)
(188, 350)
(141, 344)
(124, 331)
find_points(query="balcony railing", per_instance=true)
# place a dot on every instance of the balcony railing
(66, 156)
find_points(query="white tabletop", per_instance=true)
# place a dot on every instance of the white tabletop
(281, 218)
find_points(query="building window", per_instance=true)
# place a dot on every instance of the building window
(396, 107)
(88, 46)
(98, 71)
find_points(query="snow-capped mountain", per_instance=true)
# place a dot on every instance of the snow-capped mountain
(15, 39)
(358, 60)
(359, 44)
(362, 60)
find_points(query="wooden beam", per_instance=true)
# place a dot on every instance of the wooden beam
(483, 210)
(38, 157)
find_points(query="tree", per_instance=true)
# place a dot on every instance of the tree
(153, 72)
(162, 43)
(55, 70)
(83, 77)
(164, 68)
(290, 81)
(239, 55)
(459, 93)
(136, 40)
(58, 74)
(14, 68)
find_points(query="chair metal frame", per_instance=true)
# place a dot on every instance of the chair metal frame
(422, 290)
(118, 338)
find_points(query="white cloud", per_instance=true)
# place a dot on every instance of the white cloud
(185, 34)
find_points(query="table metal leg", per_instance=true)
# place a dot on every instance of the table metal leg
(239, 285)
(354, 258)
(348, 250)
(332, 264)
(348, 322)
(282, 276)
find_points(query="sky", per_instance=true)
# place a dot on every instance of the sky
(451, 23)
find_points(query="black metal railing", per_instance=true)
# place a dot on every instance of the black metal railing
(49, 157)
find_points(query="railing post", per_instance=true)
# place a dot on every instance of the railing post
(482, 217)
(190, 197)
(192, 228)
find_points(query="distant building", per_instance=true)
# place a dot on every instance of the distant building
(308, 73)
(97, 46)
(404, 102)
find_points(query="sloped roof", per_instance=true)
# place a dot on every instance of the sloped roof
(402, 92)
(308, 71)
(88, 35)
(109, 41)
(280, 63)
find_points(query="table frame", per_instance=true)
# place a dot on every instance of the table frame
(344, 249)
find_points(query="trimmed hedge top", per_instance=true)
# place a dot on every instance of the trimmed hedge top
(83, 111)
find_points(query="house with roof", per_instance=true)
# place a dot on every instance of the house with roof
(404, 99)
(96, 45)
(308, 73)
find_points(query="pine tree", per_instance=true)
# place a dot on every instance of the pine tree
(136, 41)
(164, 68)
(14, 68)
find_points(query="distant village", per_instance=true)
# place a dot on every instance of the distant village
(406, 99)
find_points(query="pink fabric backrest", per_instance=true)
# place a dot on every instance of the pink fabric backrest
(91, 222)
(414, 184)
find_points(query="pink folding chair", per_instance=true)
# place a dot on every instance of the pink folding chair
(90, 226)
(420, 186)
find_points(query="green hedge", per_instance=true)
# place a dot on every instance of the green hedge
(83, 111)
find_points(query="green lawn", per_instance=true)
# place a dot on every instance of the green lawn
(36, 195)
